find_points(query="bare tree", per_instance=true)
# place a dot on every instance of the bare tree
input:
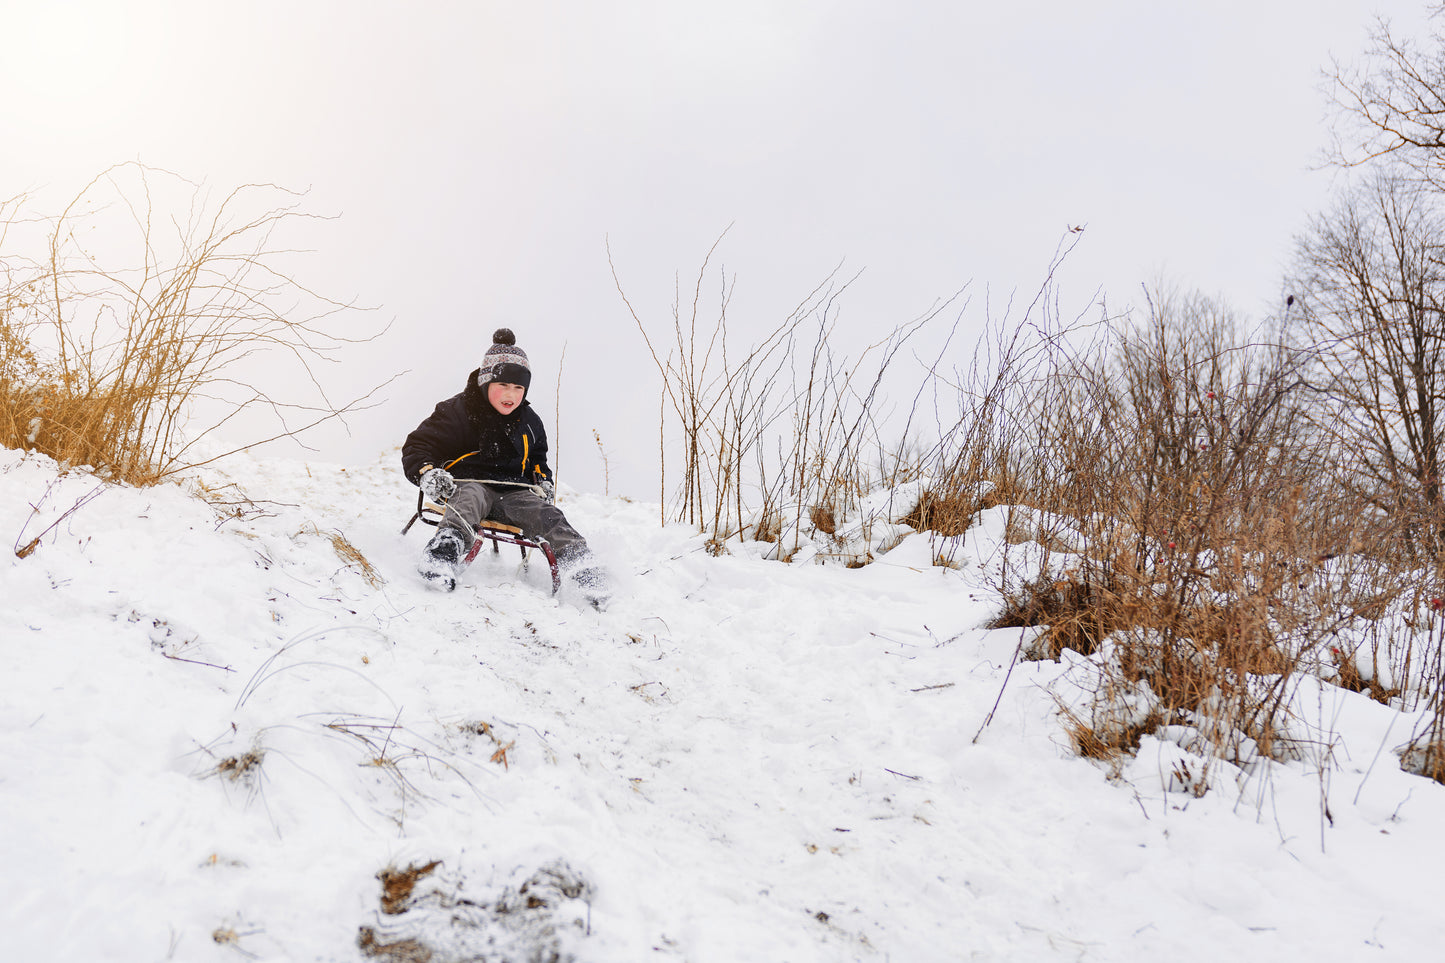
(1393, 103)
(1374, 289)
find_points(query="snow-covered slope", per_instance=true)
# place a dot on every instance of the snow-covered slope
(220, 727)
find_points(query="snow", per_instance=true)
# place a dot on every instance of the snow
(216, 732)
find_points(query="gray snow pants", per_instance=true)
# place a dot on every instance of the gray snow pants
(519, 507)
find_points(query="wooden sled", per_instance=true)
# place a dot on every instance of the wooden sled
(497, 533)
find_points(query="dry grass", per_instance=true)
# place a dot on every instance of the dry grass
(124, 343)
(950, 508)
(1107, 742)
(351, 555)
(501, 750)
(766, 439)
(241, 767)
(1074, 614)
(388, 754)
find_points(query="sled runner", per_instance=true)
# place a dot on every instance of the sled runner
(497, 533)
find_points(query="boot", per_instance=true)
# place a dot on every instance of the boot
(593, 584)
(442, 559)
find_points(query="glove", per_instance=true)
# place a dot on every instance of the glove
(437, 484)
(549, 492)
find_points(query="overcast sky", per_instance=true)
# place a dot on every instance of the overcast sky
(482, 156)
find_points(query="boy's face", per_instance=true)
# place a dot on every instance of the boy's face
(504, 397)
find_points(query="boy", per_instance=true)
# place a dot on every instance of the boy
(483, 454)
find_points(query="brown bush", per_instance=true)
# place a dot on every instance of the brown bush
(1189, 514)
(122, 346)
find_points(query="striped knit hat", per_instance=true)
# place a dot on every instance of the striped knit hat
(505, 362)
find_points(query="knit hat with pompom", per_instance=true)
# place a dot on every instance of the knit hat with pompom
(505, 362)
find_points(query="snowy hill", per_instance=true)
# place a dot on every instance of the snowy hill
(240, 727)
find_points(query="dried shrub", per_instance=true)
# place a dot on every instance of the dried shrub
(123, 345)
(1189, 513)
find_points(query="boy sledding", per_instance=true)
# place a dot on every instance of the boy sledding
(483, 455)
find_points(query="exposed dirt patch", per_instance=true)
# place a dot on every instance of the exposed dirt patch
(397, 885)
(428, 916)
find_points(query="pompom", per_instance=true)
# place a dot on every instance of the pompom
(504, 336)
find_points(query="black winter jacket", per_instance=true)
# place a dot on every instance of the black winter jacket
(470, 439)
